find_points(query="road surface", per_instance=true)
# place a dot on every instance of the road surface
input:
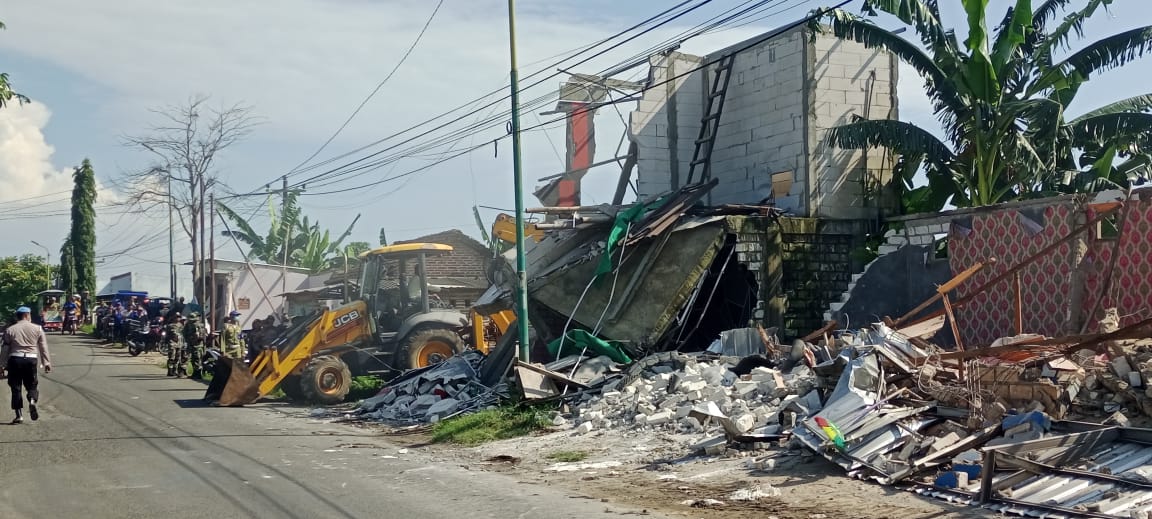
(118, 439)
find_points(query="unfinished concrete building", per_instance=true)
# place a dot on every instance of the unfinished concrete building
(785, 91)
(743, 126)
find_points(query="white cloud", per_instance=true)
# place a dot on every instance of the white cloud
(26, 168)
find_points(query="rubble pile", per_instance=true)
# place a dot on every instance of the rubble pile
(433, 393)
(689, 394)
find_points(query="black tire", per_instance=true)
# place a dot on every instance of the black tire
(326, 381)
(133, 349)
(422, 348)
(291, 388)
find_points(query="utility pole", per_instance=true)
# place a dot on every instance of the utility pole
(214, 306)
(202, 282)
(171, 243)
(517, 175)
(287, 233)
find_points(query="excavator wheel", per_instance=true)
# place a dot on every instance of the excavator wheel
(326, 380)
(424, 348)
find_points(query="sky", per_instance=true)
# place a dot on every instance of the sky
(97, 70)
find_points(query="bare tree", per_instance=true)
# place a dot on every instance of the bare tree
(184, 148)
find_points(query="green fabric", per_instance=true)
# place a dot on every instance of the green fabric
(577, 340)
(619, 229)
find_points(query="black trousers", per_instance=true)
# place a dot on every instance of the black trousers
(22, 372)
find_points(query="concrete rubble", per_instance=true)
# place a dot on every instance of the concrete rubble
(432, 394)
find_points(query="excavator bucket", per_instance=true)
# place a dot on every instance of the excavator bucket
(232, 384)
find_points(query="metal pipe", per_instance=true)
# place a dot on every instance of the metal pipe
(518, 178)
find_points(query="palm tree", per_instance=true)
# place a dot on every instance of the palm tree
(1001, 99)
(6, 93)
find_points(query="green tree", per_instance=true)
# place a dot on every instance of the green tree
(67, 269)
(6, 92)
(21, 278)
(83, 234)
(1001, 99)
(307, 246)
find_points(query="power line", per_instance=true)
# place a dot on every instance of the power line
(496, 92)
(335, 172)
(632, 97)
(374, 91)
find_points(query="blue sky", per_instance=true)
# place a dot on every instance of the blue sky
(96, 68)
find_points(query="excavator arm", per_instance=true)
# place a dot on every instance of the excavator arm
(504, 228)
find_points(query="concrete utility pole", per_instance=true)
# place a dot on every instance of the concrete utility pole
(287, 233)
(171, 243)
(203, 281)
(518, 175)
(214, 305)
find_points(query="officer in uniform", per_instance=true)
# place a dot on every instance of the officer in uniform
(177, 355)
(194, 334)
(233, 347)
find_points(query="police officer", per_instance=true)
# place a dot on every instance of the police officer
(24, 351)
(194, 335)
(233, 347)
(177, 355)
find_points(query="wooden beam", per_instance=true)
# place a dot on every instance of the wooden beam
(944, 289)
(1019, 304)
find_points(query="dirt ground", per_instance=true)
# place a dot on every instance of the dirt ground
(655, 474)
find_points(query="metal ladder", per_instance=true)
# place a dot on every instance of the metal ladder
(710, 122)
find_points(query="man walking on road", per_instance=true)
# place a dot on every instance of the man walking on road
(25, 349)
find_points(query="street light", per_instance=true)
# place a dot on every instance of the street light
(47, 262)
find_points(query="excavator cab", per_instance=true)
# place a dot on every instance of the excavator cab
(412, 326)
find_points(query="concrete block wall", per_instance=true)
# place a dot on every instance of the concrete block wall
(785, 93)
(666, 122)
(916, 233)
(816, 267)
(848, 80)
(761, 129)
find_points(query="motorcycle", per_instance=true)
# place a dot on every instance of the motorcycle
(69, 326)
(146, 337)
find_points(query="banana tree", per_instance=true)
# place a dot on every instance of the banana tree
(1000, 97)
(316, 249)
(270, 248)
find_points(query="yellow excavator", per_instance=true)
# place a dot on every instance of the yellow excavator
(394, 324)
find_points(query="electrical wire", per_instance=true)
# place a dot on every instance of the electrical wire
(700, 29)
(375, 90)
(577, 52)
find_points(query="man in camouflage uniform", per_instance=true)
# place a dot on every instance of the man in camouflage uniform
(194, 335)
(177, 355)
(233, 346)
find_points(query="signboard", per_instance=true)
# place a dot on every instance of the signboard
(243, 303)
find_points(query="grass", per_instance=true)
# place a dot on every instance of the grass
(491, 425)
(568, 456)
(364, 387)
(87, 329)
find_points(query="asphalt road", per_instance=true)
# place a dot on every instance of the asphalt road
(118, 439)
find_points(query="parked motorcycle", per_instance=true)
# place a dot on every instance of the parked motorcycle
(146, 337)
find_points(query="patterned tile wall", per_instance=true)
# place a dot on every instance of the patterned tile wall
(1012, 235)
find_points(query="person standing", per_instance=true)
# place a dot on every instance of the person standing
(24, 351)
(194, 335)
(177, 354)
(231, 336)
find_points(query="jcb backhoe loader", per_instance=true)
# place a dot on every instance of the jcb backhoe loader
(394, 325)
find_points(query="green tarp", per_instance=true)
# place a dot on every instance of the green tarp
(576, 341)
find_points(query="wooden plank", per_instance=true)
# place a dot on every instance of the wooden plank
(952, 321)
(944, 289)
(1019, 304)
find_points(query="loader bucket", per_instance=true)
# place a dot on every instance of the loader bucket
(232, 384)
